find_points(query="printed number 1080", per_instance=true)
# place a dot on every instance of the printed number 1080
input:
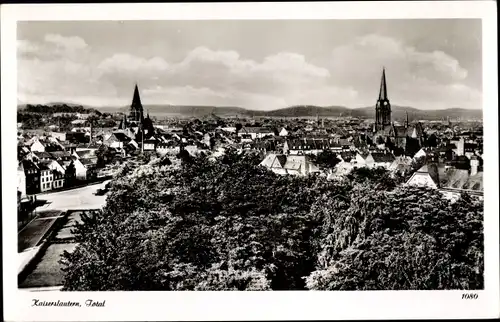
(469, 296)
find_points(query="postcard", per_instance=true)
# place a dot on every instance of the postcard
(250, 161)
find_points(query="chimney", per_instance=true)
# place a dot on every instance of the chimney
(461, 146)
(474, 165)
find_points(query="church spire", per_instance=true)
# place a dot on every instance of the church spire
(136, 106)
(383, 107)
(383, 87)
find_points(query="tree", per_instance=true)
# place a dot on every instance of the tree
(210, 225)
(70, 175)
(379, 177)
(412, 146)
(229, 224)
(326, 159)
(431, 141)
(409, 238)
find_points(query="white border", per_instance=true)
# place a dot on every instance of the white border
(253, 305)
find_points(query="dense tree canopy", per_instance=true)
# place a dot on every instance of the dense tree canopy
(59, 108)
(408, 238)
(326, 159)
(231, 225)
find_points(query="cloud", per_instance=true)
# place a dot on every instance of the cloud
(221, 77)
(71, 43)
(413, 76)
(57, 67)
(350, 76)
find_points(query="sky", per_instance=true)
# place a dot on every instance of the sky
(255, 64)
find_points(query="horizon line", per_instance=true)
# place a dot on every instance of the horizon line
(247, 109)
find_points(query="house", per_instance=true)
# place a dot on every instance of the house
(284, 132)
(61, 155)
(265, 146)
(92, 146)
(169, 147)
(58, 179)
(42, 156)
(149, 144)
(61, 136)
(451, 182)
(375, 159)
(401, 165)
(52, 175)
(22, 152)
(32, 173)
(229, 129)
(85, 154)
(85, 169)
(249, 133)
(310, 146)
(117, 140)
(45, 146)
(382, 159)
(46, 176)
(69, 147)
(290, 164)
(37, 146)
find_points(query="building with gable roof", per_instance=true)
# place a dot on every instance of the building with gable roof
(290, 164)
(452, 182)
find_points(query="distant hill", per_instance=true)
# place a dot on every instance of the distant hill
(398, 112)
(305, 110)
(183, 110)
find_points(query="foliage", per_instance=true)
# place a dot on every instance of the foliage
(432, 141)
(31, 120)
(409, 238)
(195, 225)
(229, 224)
(59, 108)
(379, 177)
(412, 146)
(326, 159)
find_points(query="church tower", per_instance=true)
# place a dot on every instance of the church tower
(383, 107)
(136, 111)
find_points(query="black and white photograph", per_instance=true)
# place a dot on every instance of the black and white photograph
(304, 155)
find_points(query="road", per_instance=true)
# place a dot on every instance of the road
(74, 199)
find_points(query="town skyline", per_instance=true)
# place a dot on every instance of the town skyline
(305, 66)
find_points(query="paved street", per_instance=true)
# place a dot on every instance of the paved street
(31, 235)
(74, 199)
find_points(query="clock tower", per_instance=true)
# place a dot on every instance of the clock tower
(383, 107)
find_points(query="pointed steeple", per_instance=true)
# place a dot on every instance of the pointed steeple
(407, 121)
(383, 107)
(383, 87)
(136, 106)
